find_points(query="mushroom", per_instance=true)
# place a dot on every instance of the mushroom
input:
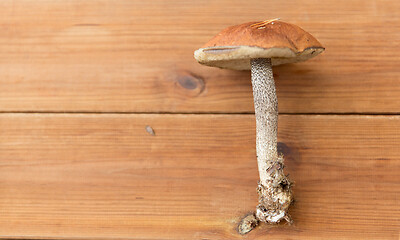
(257, 46)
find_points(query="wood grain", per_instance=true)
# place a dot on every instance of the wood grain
(192, 176)
(137, 56)
(104, 176)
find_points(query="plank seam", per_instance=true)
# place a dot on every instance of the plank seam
(202, 113)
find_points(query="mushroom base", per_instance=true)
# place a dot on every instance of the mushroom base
(275, 196)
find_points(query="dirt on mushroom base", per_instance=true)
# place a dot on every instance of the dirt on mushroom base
(248, 223)
(274, 200)
(276, 196)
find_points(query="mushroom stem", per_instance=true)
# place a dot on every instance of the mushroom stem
(266, 110)
(274, 189)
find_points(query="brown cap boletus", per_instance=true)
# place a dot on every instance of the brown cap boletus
(257, 46)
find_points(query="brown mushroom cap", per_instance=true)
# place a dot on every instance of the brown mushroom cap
(235, 46)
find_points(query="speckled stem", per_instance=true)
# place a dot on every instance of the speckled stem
(266, 109)
(274, 190)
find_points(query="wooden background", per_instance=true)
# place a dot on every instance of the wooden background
(81, 80)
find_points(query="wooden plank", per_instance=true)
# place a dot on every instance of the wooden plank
(104, 176)
(137, 56)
